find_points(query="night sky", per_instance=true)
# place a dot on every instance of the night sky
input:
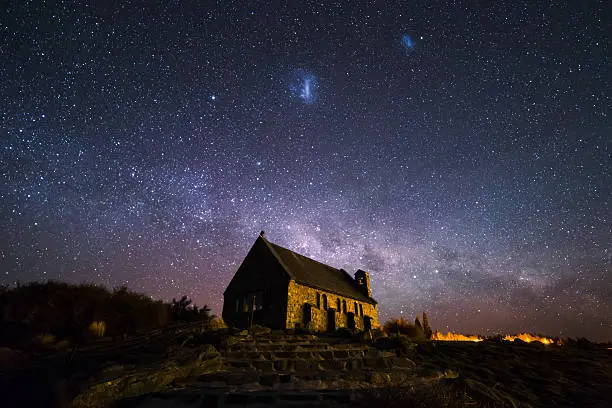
(461, 154)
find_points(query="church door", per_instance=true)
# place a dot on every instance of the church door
(331, 320)
(307, 314)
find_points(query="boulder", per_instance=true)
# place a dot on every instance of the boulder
(118, 382)
(10, 359)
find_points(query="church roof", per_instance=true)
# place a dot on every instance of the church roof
(317, 275)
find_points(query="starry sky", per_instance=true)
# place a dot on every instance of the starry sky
(459, 151)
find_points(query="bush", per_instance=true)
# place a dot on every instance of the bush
(184, 311)
(217, 324)
(395, 326)
(401, 343)
(67, 312)
(580, 343)
(44, 339)
(401, 326)
(97, 328)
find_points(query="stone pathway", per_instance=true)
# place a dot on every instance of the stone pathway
(282, 370)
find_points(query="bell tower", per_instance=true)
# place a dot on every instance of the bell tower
(363, 280)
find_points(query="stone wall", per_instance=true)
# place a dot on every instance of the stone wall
(298, 295)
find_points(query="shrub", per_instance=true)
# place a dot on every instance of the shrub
(97, 328)
(67, 312)
(401, 326)
(44, 339)
(395, 326)
(184, 311)
(400, 343)
(217, 323)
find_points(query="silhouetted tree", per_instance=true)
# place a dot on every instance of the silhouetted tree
(184, 311)
(426, 326)
(417, 323)
(66, 311)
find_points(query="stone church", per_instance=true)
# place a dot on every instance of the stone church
(278, 288)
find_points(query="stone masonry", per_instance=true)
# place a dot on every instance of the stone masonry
(301, 294)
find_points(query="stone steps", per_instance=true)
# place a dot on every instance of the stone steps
(297, 380)
(336, 363)
(291, 371)
(247, 346)
(317, 354)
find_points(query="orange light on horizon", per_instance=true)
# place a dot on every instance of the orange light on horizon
(450, 336)
(528, 338)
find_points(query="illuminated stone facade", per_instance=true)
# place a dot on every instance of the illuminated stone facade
(322, 305)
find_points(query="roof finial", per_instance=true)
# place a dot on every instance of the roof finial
(262, 233)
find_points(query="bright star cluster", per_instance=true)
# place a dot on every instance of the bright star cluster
(149, 144)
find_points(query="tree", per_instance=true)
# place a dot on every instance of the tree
(417, 323)
(184, 311)
(426, 326)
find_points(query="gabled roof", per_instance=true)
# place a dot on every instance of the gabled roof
(317, 275)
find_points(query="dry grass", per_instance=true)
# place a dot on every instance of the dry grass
(97, 328)
(520, 374)
(422, 396)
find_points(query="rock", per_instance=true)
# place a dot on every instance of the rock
(10, 359)
(377, 378)
(229, 341)
(259, 330)
(404, 362)
(269, 379)
(207, 352)
(482, 393)
(281, 365)
(118, 382)
(263, 365)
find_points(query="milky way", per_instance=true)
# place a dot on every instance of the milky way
(148, 145)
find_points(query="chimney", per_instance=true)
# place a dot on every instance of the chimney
(363, 280)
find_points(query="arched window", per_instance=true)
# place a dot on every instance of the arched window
(356, 309)
(324, 302)
(318, 300)
(338, 305)
(344, 306)
(360, 310)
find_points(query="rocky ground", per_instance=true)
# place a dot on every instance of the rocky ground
(183, 368)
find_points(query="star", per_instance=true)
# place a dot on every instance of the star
(478, 152)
